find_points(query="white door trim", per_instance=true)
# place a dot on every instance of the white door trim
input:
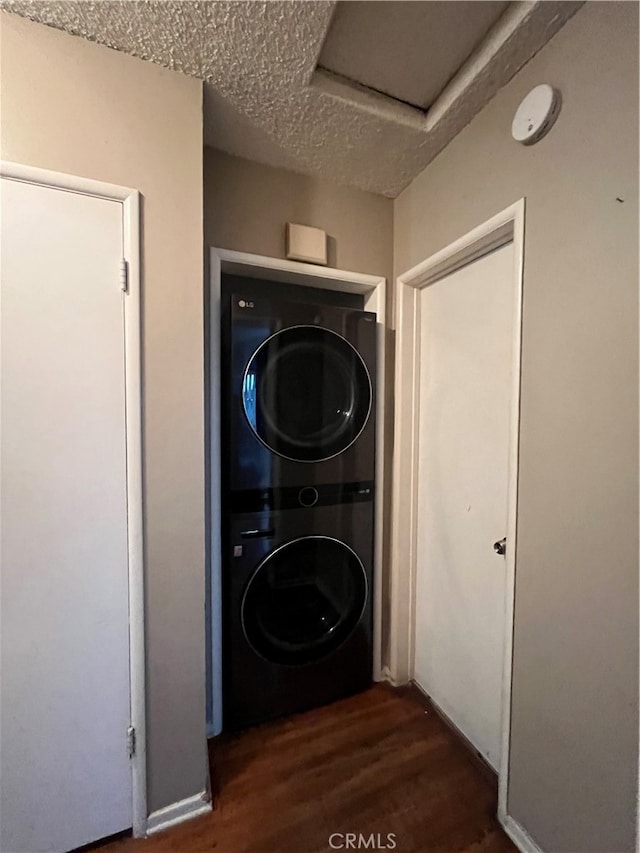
(130, 200)
(307, 275)
(518, 835)
(504, 227)
(179, 812)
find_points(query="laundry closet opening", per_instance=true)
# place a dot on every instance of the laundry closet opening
(294, 473)
(280, 290)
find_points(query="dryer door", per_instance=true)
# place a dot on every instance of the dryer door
(306, 393)
(304, 600)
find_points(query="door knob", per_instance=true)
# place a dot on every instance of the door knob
(500, 547)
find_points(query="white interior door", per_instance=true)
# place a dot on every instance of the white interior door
(466, 366)
(65, 703)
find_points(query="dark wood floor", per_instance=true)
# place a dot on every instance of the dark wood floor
(374, 763)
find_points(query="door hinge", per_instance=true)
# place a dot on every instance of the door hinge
(124, 275)
(131, 741)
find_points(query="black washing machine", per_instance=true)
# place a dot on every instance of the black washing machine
(298, 395)
(297, 628)
(298, 401)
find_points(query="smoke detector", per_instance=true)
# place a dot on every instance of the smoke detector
(536, 115)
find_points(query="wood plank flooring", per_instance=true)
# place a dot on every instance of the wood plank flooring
(376, 763)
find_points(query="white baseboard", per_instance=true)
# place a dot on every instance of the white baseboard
(178, 812)
(520, 837)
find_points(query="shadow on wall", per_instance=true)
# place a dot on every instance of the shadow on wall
(332, 251)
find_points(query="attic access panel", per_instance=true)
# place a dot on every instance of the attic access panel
(408, 50)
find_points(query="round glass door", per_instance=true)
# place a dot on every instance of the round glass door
(304, 600)
(306, 393)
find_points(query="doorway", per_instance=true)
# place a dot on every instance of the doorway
(457, 404)
(264, 271)
(72, 604)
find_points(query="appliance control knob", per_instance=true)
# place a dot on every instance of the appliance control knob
(308, 496)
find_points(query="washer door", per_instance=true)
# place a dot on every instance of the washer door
(304, 600)
(306, 393)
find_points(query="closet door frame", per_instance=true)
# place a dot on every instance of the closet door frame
(506, 226)
(373, 289)
(131, 285)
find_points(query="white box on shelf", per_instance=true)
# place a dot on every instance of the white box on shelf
(306, 244)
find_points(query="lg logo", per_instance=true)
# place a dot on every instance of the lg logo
(244, 304)
(358, 841)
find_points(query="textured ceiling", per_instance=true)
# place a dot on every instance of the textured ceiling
(406, 49)
(266, 101)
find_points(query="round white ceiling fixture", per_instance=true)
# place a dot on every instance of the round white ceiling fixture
(536, 115)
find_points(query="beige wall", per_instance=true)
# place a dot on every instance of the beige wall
(574, 754)
(246, 207)
(73, 106)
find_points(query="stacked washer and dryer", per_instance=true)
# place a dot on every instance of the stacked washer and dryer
(298, 505)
